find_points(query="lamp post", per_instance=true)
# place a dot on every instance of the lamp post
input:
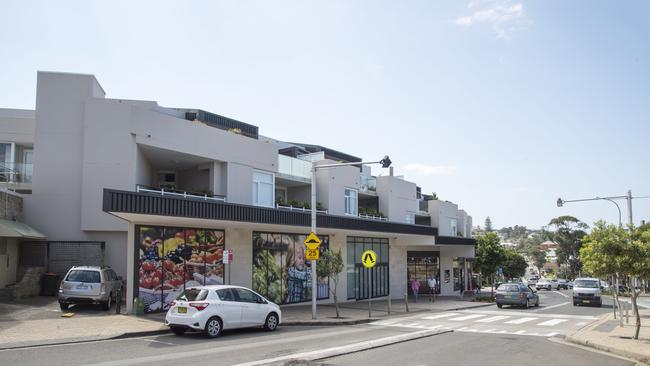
(385, 163)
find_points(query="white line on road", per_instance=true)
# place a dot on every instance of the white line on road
(565, 295)
(552, 322)
(157, 341)
(492, 319)
(467, 317)
(431, 317)
(552, 306)
(521, 320)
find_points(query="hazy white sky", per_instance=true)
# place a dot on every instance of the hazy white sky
(501, 106)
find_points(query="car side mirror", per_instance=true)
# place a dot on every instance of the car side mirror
(261, 300)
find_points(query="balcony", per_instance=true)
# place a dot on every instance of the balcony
(14, 174)
(367, 184)
(177, 193)
(292, 168)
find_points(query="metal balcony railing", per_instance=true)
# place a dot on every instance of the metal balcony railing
(177, 193)
(299, 209)
(16, 172)
(371, 217)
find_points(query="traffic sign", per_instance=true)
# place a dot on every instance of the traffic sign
(312, 254)
(369, 258)
(312, 242)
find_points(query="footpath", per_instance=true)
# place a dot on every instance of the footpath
(39, 321)
(606, 335)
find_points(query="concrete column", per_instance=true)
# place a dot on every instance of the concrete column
(131, 280)
(241, 242)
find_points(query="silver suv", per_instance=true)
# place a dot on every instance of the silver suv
(89, 285)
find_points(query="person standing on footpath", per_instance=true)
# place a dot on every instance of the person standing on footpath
(415, 287)
(431, 282)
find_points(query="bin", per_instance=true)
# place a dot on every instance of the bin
(50, 284)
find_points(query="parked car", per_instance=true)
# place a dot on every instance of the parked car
(547, 285)
(89, 285)
(569, 285)
(211, 309)
(515, 293)
(604, 285)
(533, 280)
(587, 291)
(562, 284)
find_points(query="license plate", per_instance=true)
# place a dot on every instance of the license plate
(182, 310)
(586, 301)
(82, 287)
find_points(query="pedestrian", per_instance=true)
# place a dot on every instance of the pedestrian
(432, 289)
(415, 287)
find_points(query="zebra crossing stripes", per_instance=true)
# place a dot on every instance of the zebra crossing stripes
(439, 316)
(521, 320)
(552, 322)
(492, 319)
(467, 317)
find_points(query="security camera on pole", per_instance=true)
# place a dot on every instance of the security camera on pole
(385, 163)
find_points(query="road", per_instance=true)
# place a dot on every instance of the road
(505, 336)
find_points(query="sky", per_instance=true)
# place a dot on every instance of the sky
(500, 106)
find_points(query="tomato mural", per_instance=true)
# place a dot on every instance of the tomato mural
(172, 259)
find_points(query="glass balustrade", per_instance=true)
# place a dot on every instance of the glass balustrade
(16, 172)
(294, 167)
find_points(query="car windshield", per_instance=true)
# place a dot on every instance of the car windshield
(84, 276)
(586, 283)
(508, 288)
(193, 294)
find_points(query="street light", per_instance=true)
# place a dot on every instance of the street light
(385, 163)
(561, 202)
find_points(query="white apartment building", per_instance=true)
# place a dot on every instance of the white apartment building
(166, 190)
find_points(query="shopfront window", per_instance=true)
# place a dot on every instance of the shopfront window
(280, 271)
(422, 265)
(363, 282)
(173, 259)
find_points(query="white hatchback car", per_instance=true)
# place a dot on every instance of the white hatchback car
(212, 309)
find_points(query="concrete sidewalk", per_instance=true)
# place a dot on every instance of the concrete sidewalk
(26, 325)
(606, 335)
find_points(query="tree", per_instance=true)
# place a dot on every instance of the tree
(488, 224)
(489, 255)
(569, 232)
(514, 264)
(609, 249)
(331, 265)
(434, 196)
(539, 257)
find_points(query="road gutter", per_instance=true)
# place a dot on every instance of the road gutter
(350, 348)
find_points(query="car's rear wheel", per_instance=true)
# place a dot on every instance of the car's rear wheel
(537, 303)
(64, 306)
(108, 303)
(271, 322)
(178, 330)
(213, 327)
(499, 306)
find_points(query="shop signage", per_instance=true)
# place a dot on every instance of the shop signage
(312, 242)
(369, 258)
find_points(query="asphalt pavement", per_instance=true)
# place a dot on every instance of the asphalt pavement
(500, 336)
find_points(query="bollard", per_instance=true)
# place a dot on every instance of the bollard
(627, 313)
(406, 301)
(369, 308)
(389, 304)
(118, 301)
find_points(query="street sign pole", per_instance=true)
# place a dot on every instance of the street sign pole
(314, 277)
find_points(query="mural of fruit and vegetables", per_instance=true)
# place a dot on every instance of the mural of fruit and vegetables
(172, 259)
(280, 271)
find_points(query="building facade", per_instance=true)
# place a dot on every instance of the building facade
(169, 189)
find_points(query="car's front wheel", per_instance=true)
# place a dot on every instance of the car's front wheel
(64, 306)
(499, 306)
(213, 327)
(271, 322)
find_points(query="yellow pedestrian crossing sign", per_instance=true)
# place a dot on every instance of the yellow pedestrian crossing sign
(369, 258)
(312, 242)
(312, 254)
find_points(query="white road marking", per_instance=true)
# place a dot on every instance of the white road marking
(492, 319)
(157, 341)
(467, 317)
(565, 295)
(431, 317)
(552, 322)
(520, 313)
(552, 334)
(521, 320)
(552, 306)
(519, 332)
